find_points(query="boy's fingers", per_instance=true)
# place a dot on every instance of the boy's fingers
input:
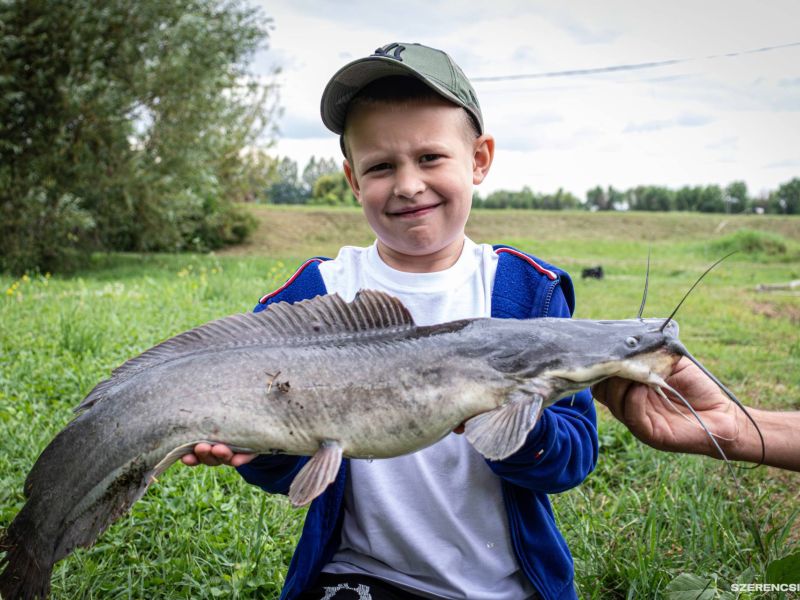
(222, 453)
(241, 459)
(205, 454)
(215, 455)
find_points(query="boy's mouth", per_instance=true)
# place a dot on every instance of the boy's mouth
(414, 211)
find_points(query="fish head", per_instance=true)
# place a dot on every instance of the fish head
(568, 355)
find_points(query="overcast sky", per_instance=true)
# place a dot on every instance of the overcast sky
(697, 121)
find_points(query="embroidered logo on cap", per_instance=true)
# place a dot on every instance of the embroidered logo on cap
(384, 51)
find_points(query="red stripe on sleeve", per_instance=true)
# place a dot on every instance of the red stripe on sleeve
(290, 280)
(546, 272)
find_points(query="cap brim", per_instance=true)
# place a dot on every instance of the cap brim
(354, 76)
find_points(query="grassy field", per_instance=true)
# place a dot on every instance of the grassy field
(638, 522)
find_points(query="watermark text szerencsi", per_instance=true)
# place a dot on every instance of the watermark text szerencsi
(765, 587)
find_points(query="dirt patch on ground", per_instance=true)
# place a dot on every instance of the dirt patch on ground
(773, 310)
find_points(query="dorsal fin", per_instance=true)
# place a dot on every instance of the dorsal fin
(317, 318)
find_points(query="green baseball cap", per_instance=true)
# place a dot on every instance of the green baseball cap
(433, 67)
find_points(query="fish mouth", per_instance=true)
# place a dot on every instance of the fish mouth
(647, 368)
(414, 211)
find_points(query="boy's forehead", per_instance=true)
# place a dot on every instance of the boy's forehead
(432, 67)
(427, 124)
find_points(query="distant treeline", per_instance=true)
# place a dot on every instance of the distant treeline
(323, 183)
(734, 198)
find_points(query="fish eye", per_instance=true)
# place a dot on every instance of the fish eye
(631, 342)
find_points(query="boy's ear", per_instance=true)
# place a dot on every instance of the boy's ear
(351, 179)
(482, 157)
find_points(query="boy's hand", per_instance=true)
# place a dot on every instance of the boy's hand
(215, 455)
(658, 425)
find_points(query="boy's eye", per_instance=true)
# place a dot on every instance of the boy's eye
(430, 157)
(378, 167)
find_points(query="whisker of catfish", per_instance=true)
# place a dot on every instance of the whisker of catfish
(646, 283)
(686, 403)
(694, 285)
(682, 350)
(672, 406)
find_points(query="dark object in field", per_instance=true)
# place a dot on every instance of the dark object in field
(321, 378)
(592, 272)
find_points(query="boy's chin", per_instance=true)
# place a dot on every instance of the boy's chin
(420, 253)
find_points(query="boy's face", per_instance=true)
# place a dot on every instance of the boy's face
(412, 167)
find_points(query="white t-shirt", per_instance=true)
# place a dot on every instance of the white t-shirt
(432, 522)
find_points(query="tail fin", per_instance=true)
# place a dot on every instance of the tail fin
(25, 576)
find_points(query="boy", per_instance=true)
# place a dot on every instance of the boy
(442, 522)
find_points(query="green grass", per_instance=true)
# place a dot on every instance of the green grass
(641, 519)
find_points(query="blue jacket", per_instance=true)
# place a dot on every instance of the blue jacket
(558, 454)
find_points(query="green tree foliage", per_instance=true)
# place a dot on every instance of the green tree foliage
(508, 199)
(561, 200)
(289, 188)
(687, 198)
(286, 188)
(616, 199)
(124, 125)
(332, 190)
(786, 199)
(596, 199)
(526, 198)
(736, 198)
(651, 197)
(711, 200)
(315, 169)
(609, 199)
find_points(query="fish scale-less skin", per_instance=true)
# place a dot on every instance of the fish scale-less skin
(389, 399)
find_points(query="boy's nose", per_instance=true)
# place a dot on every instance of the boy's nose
(408, 183)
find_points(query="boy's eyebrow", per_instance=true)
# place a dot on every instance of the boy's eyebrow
(423, 147)
(369, 159)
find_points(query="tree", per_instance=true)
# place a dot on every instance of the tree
(123, 126)
(736, 199)
(332, 190)
(596, 199)
(316, 169)
(652, 197)
(616, 199)
(688, 198)
(560, 200)
(786, 199)
(711, 199)
(286, 188)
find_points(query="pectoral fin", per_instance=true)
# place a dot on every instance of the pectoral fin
(499, 433)
(317, 474)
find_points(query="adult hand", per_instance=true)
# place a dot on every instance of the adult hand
(665, 427)
(214, 455)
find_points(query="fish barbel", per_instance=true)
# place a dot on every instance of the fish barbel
(321, 378)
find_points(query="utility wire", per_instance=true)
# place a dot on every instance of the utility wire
(629, 67)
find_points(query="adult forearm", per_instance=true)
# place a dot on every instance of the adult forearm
(781, 431)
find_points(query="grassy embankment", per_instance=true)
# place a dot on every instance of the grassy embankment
(640, 519)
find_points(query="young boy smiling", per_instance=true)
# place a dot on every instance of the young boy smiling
(442, 522)
(412, 166)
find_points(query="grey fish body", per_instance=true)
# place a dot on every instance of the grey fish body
(321, 378)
